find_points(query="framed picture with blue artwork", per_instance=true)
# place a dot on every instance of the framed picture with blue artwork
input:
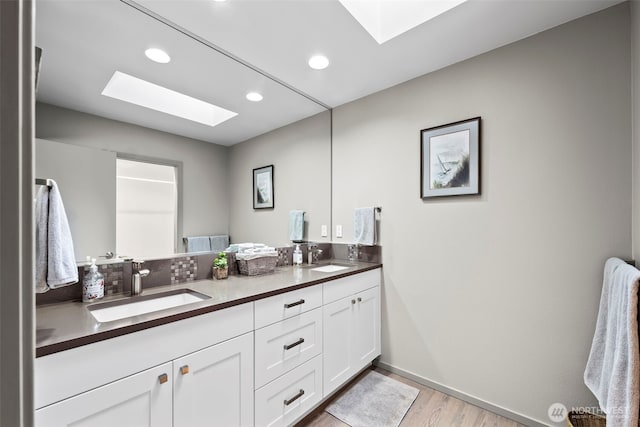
(263, 188)
(450, 159)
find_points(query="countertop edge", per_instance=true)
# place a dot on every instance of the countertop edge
(48, 349)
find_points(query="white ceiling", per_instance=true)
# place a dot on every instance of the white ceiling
(84, 42)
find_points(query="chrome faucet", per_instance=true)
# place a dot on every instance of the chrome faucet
(136, 278)
(353, 251)
(313, 253)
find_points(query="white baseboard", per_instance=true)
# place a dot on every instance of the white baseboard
(463, 396)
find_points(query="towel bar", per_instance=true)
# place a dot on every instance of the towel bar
(43, 181)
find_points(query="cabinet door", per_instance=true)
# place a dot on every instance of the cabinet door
(367, 327)
(143, 399)
(214, 386)
(338, 343)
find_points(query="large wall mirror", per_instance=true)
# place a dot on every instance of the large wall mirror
(82, 133)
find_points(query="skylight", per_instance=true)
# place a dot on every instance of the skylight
(145, 94)
(386, 19)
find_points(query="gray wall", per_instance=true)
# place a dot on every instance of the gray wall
(204, 165)
(86, 179)
(497, 295)
(301, 155)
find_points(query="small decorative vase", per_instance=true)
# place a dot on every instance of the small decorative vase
(220, 273)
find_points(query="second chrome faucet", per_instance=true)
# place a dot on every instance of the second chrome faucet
(313, 253)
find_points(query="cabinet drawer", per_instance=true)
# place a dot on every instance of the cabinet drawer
(342, 288)
(287, 344)
(275, 404)
(283, 306)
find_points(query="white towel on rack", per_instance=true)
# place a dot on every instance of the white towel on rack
(364, 226)
(198, 243)
(296, 225)
(613, 369)
(42, 214)
(55, 258)
(219, 243)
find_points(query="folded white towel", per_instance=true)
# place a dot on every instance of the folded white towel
(613, 369)
(198, 244)
(248, 255)
(364, 226)
(55, 257)
(296, 225)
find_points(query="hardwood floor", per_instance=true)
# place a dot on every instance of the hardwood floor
(430, 409)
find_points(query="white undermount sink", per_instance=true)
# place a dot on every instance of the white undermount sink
(116, 310)
(329, 268)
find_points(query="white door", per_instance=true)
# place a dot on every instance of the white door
(338, 342)
(214, 386)
(367, 327)
(143, 399)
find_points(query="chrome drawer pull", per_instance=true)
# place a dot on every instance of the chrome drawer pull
(297, 343)
(294, 398)
(293, 304)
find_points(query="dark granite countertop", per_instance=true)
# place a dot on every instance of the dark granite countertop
(63, 326)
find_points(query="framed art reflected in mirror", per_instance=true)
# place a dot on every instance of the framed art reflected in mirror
(263, 188)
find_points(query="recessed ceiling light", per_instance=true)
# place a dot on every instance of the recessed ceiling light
(157, 55)
(386, 19)
(219, 1)
(254, 96)
(145, 94)
(318, 62)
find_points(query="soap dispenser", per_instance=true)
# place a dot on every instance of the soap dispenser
(92, 284)
(297, 256)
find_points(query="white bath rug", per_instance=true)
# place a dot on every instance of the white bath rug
(374, 401)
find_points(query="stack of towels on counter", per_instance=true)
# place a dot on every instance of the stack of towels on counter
(248, 251)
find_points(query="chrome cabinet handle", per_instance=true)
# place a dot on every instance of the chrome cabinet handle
(297, 343)
(163, 378)
(184, 370)
(293, 304)
(294, 398)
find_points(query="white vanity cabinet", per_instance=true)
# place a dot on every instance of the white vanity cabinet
(351, 320)
(187, 373)
(264, 363)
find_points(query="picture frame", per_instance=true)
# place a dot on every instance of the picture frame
(263, 195)
(450, 159)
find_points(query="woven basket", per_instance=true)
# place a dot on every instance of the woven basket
(257, 266)
(585, 419)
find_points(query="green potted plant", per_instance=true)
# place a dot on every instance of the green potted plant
(220, 266)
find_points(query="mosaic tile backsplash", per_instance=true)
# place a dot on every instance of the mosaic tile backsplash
(117, 276)
(184, 269)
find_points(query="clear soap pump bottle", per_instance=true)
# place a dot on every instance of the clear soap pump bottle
(297, 256)
(92, 284)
